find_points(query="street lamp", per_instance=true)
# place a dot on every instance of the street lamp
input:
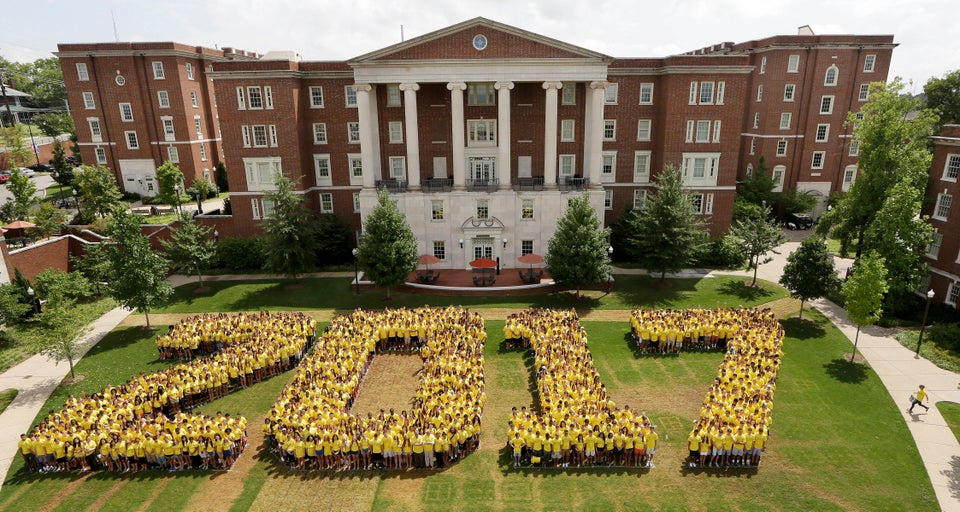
(76, 199)
(216, 236)
(610, 274)
(356, 272)
(923, 325)
(176, 189)
(33, 299)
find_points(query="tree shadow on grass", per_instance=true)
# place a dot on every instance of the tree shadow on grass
(744, 291)
(844, 371)
(804, 329)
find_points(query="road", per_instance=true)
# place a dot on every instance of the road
(42, 181)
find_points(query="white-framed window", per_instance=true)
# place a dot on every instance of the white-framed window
(826, 104)
(692, 97)
(326, 202)
(255, 209)
(716, 131)
(568, 95)
(951, 167)
(158, 71)
(864, 94)
(697, 199)
(567, 130)
(868, 63)
(272, 129)
(942, 210)
(260, 172)
(163, 99)
(646, 93)
(720, 87)
(854, 148)
(440, 249)
(353, 133)
(700, 169)
(706, 93)
(172, 154)
(82, 74)
(756, 120)
(703, 131)
(436, 209)
(350, 96)
(189, 67)
(608, 166)
(782, 147)
(245, 131)
(319, 133)
(203, 153)
(482, 132)
(785, 120)
(831, 76)
(708, 204)
(753, 145)
(933, 250)
(759, 93)
(316, 96)
(88, 102)
(823, 132)
(356, 202)
(608, 199)
(241, 99)
(254, 97)
(526, 247)
(355, 165)
(953, 294)
(259, 136)
(101, 155)
(817, 161)
(849, 175)
(609, 129)
(194, 101)
(483, 209)
(131, 138)
(393, 95)
(395, 129)
(169, 134)
(95, 134)
(526, 209)
(691, 129)
(779, 171)
(269, 208)
(126, 112)
(639, 199)
(321, 169)
(763, 65)
(568, 165)
(789, 91)
(793, 63)
(643, 129)
(268, 97)
(610, 93)
(398, 167)
(641, 167)
(198, 126)
(481, 94)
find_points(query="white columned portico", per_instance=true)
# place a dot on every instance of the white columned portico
(503, 135)
(593, 149)
(366, 134)
(456, 117)
(550, 135)
(412, 133)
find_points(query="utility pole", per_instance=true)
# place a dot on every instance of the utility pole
(3, 89)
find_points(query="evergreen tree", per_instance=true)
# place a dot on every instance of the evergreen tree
(137, 275)
(757, 188)
(577, 253)
(62, 170)
(809, 273)
(190, 248)
(666, 235)
(289, 231)
(12, 307)
(863, 293)
(221, 178)
(760, 236)
(388, 250)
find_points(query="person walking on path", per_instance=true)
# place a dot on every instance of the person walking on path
(918, 398)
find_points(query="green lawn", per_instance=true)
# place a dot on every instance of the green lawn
(951, 413)
(7, 396)
(834, 429)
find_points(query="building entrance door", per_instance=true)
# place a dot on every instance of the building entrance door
(483, 247)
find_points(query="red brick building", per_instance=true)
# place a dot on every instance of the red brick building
(483, 131)
(943, 254)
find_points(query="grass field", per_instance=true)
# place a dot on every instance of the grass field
(835, 428)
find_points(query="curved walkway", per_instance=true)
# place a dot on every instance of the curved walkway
(898, 369)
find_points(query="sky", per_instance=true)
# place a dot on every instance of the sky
(926, 30)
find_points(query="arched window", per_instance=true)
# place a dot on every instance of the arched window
(831, 77)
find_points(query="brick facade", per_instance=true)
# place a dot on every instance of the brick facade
(944, 254)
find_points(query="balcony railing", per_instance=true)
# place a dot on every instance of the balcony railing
(573, 183)
(487, 185)
(529, 183)
(392, 185)
(438, 185)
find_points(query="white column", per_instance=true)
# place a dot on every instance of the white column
(594, 159)
(366, 135)
(456, 117)
(550, 135)
(412, 133)
(504, 155)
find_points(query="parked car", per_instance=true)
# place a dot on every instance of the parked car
(27, 172)
(41, 167)
(5, 177)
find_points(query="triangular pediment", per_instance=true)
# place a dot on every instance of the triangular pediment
(479, 39)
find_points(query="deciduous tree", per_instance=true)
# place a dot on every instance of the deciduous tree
(943, 95)
(809, 273)
(137, 274)
(97, 190)
(577, 253)
(169, 177)
(760, 236)
(388, 250)
(63, 332)
(863, 293)
(24, 193)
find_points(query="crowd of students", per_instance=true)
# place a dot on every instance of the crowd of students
(142, 424)
(578, 424)
(668, 331)
(735, 418)
(311, 426)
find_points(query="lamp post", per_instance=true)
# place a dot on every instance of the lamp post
(356, 272)
(216, 236)
(610, 274)
(33, 142)
(33, 299)
(76, 199)
(923, 325)
(176, 190)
